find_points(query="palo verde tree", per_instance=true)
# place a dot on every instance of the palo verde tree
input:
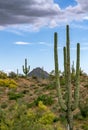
(68, 105)
(25, 68)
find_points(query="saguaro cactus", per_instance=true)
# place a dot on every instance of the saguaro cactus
(73, 69)
(17, 73)
(67, 104)
(25, 68)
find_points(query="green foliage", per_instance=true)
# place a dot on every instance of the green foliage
(86, 85)
(3, 75)
(47, 118)
(10, 83)
(62, 80)
(4, 105)
(47, 100)
(50, 86)
(15, 96)
(12, 74)
(84, 110)
(85, 127)
(21, 118)
(30, 105)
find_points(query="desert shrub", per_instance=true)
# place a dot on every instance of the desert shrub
(15, 96)
(8, 83)
(3, 75)
(25, 91)
(47, 100)
(47, 118)
(78, 116)
(85, 127)
(30, 105)
(86, 85)
(51, 86)
(22, 118)
(4, 105)
(62, 80)
(84, 111)
(42, 106)
(12, 74)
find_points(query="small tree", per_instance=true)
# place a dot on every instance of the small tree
(12, 74)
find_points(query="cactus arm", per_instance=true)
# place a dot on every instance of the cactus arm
(63, 106)
(76, 91)
(65, 62)
(65, 73)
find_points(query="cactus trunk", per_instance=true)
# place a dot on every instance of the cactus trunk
(69, 87)
(76, 92)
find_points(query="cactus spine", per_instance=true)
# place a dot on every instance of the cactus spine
(25, 68)
(67, 105)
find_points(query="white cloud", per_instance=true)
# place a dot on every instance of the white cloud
(22, 43)
(85, 18)
(2, 28)
(45, 44)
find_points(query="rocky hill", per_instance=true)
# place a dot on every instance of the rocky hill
(19, 100)
(39, 73)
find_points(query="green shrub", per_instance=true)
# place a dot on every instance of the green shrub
(4, 105)
(47, 100)
(84, 111)
(22, 118)
(3, 75)
(78, 116)
(47, 118)
(85, 127)
(15, 96)
(50, 86)
(30, 105)
(62, 80)
(12, 74)
(86, 85)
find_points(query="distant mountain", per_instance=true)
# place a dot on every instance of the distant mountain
(39, 73)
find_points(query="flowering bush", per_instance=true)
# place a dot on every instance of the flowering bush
(8, 83)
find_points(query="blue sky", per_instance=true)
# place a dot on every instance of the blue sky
(27, 29)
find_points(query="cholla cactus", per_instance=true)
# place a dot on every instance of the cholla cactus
(67, 104)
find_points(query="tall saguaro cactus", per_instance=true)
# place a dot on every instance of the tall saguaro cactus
(25, 68)
(67, 105)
